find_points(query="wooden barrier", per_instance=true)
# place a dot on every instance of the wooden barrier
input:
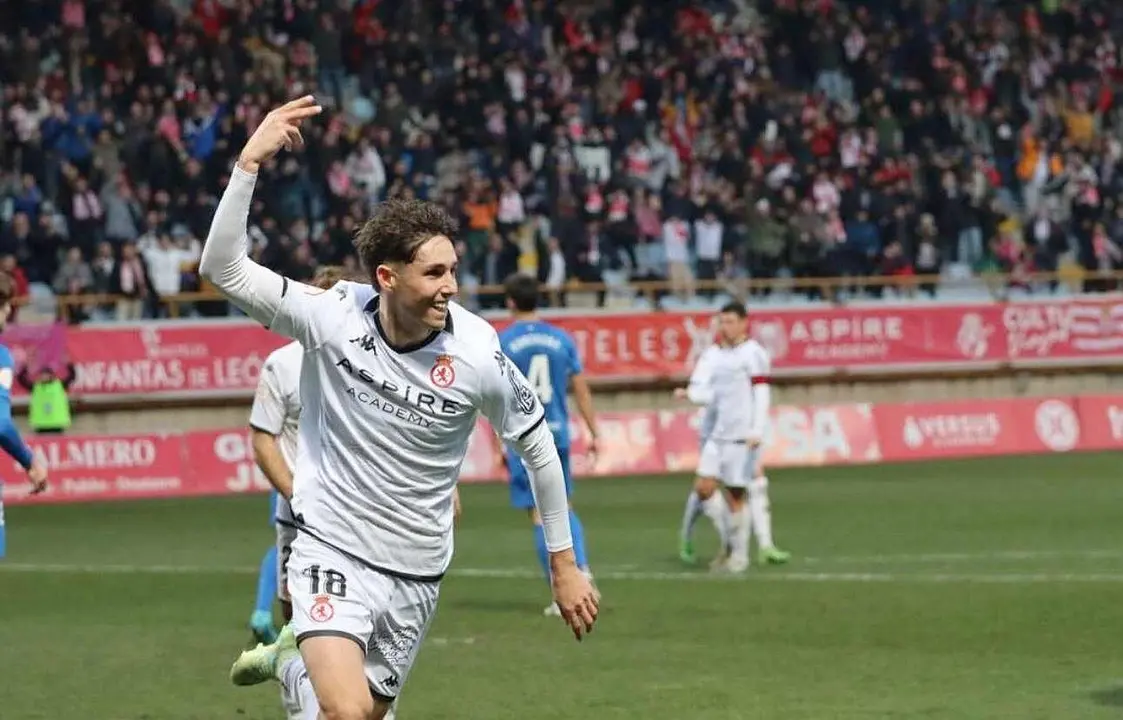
(830, 289)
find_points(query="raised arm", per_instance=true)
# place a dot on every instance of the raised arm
(258, 291)
(225, 261)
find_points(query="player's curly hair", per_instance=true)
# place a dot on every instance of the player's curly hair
(398, 228)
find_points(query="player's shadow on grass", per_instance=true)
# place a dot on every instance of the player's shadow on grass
(1108, 697)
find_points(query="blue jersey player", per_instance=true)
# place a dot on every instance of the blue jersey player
(10, 439)
(547, 356)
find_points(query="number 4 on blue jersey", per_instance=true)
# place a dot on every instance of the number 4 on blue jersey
(547, 356)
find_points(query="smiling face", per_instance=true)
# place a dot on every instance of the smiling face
(421, 289)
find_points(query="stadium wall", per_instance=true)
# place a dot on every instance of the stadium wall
(186, 374)
(168, 415)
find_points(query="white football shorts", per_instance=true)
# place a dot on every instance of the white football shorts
(726, 461)
(336, 595)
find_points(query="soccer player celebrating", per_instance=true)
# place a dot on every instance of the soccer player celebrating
(10, 440)
(732, 380)
(273, 425)
(393, 376)
(547, 356)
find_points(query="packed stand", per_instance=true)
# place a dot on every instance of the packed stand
(594, 141)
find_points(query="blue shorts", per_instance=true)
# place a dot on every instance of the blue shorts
(519, 480)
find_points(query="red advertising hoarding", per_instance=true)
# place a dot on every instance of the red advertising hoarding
(222, 358)
(220, 462)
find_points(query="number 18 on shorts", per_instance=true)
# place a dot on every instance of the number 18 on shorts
(334, 595)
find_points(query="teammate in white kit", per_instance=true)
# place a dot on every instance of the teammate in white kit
(273, 429)
(731, 379)
(391, 384)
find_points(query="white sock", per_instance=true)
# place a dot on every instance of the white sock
(718, 512)
(690, 514)
(740, 522)
(761, 512)
(297, 693)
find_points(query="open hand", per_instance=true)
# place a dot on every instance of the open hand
(574, 593)
(279, 129)
(37, 473)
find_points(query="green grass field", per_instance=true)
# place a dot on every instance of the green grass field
(980, 589)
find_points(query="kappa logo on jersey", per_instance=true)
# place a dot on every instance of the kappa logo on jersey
(442, 375)
(366, 342)
(525, 399)
(322, 609)
(340, 290)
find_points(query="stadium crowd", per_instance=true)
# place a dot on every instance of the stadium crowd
(593, 139)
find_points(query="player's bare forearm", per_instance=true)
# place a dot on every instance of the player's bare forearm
(563, 559)
(267, 454)
(584, 399)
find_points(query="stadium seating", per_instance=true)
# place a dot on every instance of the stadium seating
(612, 127)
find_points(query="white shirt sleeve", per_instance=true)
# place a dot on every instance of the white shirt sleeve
(700, 391)
(268, 411)
(508, 403)
(293, 309)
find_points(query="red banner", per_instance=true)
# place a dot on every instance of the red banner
(220, 462)
(182, 359)
(965, 428)
(1077, 329)
(170, 359)
(876, 337)
(1101, 422)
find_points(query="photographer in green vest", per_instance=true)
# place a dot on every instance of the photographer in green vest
(48, 410)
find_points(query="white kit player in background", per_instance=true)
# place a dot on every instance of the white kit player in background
(274, 419)
(704, 498)
(392, 382)
(732, 380)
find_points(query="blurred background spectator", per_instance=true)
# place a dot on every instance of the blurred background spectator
(589, 140)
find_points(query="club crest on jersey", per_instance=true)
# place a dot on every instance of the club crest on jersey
(321, 610)
(442, 374)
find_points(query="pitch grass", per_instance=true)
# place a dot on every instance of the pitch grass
(982, 589)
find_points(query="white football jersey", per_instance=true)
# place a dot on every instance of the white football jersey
(726, 375)
(276, 406)
(384, 430)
